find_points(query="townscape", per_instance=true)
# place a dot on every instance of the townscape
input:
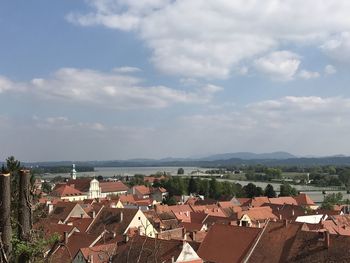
(86, 219)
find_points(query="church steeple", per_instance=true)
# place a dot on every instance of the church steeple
(73, 173)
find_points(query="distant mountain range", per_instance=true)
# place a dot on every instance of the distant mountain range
(217, 160)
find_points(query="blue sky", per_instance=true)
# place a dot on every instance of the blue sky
(119, 79)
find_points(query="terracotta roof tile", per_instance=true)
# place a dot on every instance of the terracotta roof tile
(65, 191)
(304, 200)
(107, 187)
(227, 244)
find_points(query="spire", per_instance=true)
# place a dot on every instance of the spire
(73, 173)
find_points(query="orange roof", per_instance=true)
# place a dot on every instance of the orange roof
(227, 244)
(304, 199)
(65, 190)
(212, 210)
(144, 190)
(283, 200)
(100, 253)
(109, 187)
(259, 201)
(258, 213)
(80, 223)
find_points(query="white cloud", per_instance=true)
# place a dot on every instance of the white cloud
(304, 74)
(305, 125)
(208, 39)
(111, 90)
(126, 70)
(330, 69)
(279, 65)
(338, 47)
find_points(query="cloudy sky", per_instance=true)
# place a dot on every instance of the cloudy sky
(119, 79)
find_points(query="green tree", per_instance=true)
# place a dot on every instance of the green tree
(331, 200)
(214, 189)
(287, 190)
(269, 191)
(204, 188)
(180, 171)
(46, 187)
(192, 186)
(250, 190)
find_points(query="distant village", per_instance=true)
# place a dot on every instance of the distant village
(97, 220)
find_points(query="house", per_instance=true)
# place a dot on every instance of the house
(96, 254)
(227, 244)
(66, 192)
(95, 189)
(141, 191)
(62, 211)
(305, 201)
(64, 252)
(148, 250)
(159, 194)
(274, 243)
(118, 221)
(319, 247)
(255, 216)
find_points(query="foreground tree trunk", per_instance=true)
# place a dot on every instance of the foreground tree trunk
(5, 216)
(24, 209)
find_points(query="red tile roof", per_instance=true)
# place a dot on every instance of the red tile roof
(144, 190)
(283, 200)
(227, 244)
(108, 187)
(81, 184)
(304, 200)
(258, 213)
(99, 253)
(65, 191)
(66, 253)
(274, 243)
(80, 223)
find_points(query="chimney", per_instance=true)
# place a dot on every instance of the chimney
(285, 222)
(65, 240)
(280, 217)
(326, 239)
(292, 212)
(121, 217)
(126, 238)
(50, 208)
(93, 214)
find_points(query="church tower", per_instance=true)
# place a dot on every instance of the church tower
(73, 173)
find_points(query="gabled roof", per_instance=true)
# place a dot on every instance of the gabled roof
(258, 213)
(275, 242)
(62, 210)
(108, 187)
(114, 220)
(227, 244)
(283, 200)
(148, 250)
(213, 210)
(66, 252)
(144, 190)
(312, 247)
(81, 184)
(99, 253)
(304, 200)
(290, 212)
(80, 223)
(65, 191)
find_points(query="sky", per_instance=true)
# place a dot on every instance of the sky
(120, 79)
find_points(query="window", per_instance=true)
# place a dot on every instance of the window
(139, 218)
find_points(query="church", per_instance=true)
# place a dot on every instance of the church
(92, 188)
